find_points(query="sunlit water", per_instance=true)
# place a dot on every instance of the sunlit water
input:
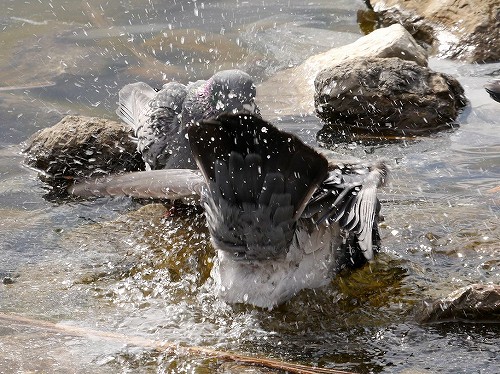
(109, 265)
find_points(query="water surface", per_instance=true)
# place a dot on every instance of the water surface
(108, 265)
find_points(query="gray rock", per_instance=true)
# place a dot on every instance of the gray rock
(474, 303)
(8, 280)
(467, 30)
(80, 146)
(386, 96)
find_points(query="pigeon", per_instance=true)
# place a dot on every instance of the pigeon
(160, 119)
(493, 88)
(281, 217)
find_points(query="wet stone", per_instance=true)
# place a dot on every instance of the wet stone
(386, 96)
(298, 97)
(80, 146)
(466, 30)
(474, 303)
(7, 280)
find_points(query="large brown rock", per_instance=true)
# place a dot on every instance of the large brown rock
(83, 146)
(291, 91)
(463, 29)
(474, 303)
(386, 96)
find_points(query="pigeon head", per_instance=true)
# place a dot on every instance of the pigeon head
(230, 91)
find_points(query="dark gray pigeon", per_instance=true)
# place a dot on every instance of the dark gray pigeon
(160, 118)
(493, 88)
(281, 217)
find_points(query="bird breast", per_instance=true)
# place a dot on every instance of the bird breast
(309, 263)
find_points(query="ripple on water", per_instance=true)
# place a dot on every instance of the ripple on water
(146, 273)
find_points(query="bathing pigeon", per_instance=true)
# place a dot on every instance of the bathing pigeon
(280, 216)
(160, 119)
(493, 88)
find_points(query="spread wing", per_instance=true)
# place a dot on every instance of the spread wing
(163, 184)
(349, 196)
(154, 117)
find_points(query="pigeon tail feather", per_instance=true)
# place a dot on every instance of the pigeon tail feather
(259, 181)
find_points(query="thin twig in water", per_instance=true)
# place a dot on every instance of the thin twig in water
(163, 346)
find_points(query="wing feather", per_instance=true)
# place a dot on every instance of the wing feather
(163, 184)
(349, 196)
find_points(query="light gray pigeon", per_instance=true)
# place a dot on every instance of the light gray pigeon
(160, 119)
(281, 217)
(493, 88)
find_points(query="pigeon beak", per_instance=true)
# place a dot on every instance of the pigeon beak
(250, 107)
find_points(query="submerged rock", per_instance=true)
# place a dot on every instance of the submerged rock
(468, 30)
(386, 96)
(80, 146)
(7, 280)
(291, 91)
(493, 89)
(474, 303)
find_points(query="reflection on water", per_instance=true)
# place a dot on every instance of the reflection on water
(108, 265)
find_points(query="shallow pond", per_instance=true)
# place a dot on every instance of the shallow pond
(142, 274)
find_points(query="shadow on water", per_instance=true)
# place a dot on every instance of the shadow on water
(141, 269)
